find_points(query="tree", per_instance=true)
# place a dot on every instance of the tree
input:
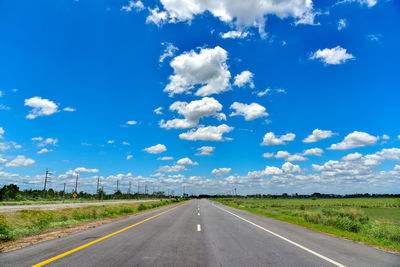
(9, 192)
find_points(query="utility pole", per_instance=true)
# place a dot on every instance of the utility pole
(98, 181)
(45, 182)
(146, 190)
(76, 184)
(117, 185)
(63, 196)
(102, 192)
(183, 191)
(129, 190)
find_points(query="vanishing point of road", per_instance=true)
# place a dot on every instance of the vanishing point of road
(199, 233)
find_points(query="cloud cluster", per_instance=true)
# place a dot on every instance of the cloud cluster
(205, 151)
(193, 112)
(20, 161)
(243, 79)
(354, 140)
(159, 148)
(248, 111)
(186, 161)
(83, 169)
(41, 107)
(270, 139)
(317, 135)
(221, 171)
(206, 69)
(332, 56)
(209, 133)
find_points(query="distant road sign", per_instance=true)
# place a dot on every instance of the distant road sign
(74, 195)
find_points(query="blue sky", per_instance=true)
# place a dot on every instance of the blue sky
(243, 80)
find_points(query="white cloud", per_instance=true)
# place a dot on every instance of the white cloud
(313, 152)
(165, 158)
(332, 56)
(282, 154)
(186, 161)
(221, 171)
(131, 122)
(342, 23)
(262, 93)
(48, 141)
(169, 51)
(289, 157)
(2, 160)
(207, 69)
(158, 111)
(68, 109)
(41, 107)
(205, 151)
(44, 150)
(317, 135)
(287, 169)
(138, 5)
(129, 157)
(368, 3)
(280, 91)
(238, 13)
(157, 17)
(374, 37)
(20, 161)
(385, 137)
(193, 112)
(110, 142)
(1, 132)
(234, 35)
(398, 137)
(7, 145)
(270, 139)
(39, 138)
(83, 169)
(355, 139)
(352, 156)
(248, 111)
(209, 133)
(126, 143)
(246, 77)
(159, 148)
(174, 168)
(268, 155)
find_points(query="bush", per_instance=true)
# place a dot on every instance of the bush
(347, 224)
(142, 207)
(4, 229)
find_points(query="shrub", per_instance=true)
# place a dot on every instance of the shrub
(142, 207)
(4, 229)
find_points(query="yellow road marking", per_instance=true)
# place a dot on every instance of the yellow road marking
(100, 239)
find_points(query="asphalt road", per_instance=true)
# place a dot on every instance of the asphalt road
(199, 233)
(12, 208)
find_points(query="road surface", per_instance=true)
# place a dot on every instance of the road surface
(199, 233)
(12, 208)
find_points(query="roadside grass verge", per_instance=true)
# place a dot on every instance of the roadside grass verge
(24, 223)
(371, 222)
(67, 201)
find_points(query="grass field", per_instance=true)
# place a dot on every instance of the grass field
(67, 201)
(30, 222)
(373, 221)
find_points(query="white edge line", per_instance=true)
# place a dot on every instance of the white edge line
(284, 238)
(198, 228)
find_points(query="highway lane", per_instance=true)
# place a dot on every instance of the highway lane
(201, 233)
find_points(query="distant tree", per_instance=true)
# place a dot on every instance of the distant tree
(9, 192)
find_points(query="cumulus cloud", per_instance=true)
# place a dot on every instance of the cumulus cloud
(137, 5)
(270, 139)
(268, 155)
(165, 158)
(317, 135)
(289, 157)
(158, 111)
(313, 152)
(173, 168)
(45, 142)
(110, 142)
(221, 171)
(244, 78)
(352, 156)
(206, 69)
(241, 14)
(342, 23)
(205, 151)
(234, 35)
(287, 168)
(169, 51)
(159, 148)
(209, 133)
(332, 56)
(83, 169)
(248, 111)
(131, 122)
(186, 161)
(157, 17)
(44, 150)
(1, 132)
(20, 161)
(128, 157)
(385, 137)
(68, 109)
(41, 107)
(263, 93)
(355, 139)
(193, 112)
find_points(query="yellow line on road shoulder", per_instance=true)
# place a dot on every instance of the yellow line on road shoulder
(100, 239)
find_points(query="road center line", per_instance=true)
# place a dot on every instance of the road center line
(198, 228)
(284, 238)
(101, 239)
(198, 213)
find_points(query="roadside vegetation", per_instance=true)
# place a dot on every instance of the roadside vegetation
(23, 223)
(373, 221)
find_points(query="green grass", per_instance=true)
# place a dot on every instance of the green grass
(22, 223)
(371, 221)
(67, 201)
